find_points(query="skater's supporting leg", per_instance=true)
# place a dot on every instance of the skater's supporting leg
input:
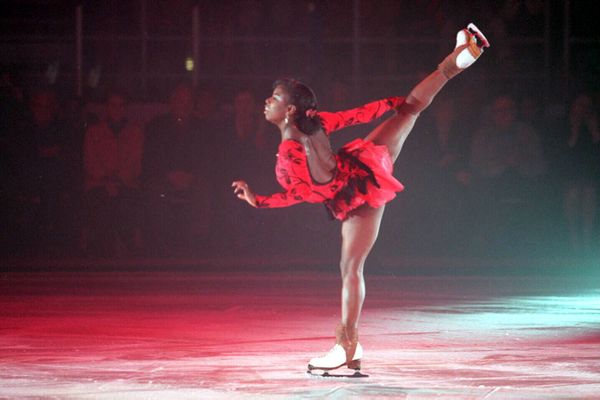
(359, 233)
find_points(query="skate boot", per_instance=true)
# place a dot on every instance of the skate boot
(346, 352)
(470, 43)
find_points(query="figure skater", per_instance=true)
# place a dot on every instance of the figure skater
(354, 184)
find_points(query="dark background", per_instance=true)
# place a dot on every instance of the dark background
(544, 53)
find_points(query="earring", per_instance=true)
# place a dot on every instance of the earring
(286, 120)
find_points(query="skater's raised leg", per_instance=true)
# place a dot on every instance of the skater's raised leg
(394, 131)
(360, 229)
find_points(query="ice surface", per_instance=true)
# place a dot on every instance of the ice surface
(155, 334)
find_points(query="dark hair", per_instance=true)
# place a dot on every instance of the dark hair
(305, 101)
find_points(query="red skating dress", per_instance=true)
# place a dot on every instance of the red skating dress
(363, 175)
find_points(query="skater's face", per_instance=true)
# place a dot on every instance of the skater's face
(277, 107)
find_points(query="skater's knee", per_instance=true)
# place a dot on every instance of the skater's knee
(352, 269)
(412, 105)
(353, 280)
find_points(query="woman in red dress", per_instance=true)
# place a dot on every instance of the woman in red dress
(356, 182)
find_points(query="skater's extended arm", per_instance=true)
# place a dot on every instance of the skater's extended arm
(333, 121)
(291, 170)
(283, 199)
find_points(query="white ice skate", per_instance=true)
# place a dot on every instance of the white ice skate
(470, 43)
(334, 359)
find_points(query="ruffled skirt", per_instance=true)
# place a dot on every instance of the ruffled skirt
(366, 172)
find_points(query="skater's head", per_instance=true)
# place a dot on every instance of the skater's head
(296, 101)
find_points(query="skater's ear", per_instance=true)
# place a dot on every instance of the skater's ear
(291, 110)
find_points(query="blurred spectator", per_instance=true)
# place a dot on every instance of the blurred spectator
(530, 112)
(77, 119)
(245, 147)
(581, 165)
(207, 106)
(177, 170)
(507, 145)
(524, 17)
(440, 169)
(112, 163)
(507, 163)
(514, 20)
(12, 124)
(45, 177)
(12, 121)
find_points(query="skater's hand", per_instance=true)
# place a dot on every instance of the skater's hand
(243, 192)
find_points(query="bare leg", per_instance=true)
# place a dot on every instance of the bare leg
(361, 228)
(394, 131)
(359, 233)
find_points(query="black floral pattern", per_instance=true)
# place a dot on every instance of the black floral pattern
(353, 178)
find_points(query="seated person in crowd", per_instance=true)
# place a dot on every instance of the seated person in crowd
(44, 178)
(177, 170)
(112, 164)
(507, 163)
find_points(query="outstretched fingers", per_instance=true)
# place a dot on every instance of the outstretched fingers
(243, 192)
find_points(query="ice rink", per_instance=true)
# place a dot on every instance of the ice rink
(222, 333)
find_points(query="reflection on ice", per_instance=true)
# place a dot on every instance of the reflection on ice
(185, 335)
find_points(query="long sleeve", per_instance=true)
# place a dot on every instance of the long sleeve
(292, 173)
(333, 121)
(278, 200)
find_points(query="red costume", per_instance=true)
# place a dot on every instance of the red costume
(363, 174)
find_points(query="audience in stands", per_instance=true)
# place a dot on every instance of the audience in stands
(581, 167)
(112, 161)
(507, 163)
(45, 176)
(485, 178)
(176, 175)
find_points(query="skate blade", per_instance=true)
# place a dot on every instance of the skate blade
(336, 374)
(480, 37)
